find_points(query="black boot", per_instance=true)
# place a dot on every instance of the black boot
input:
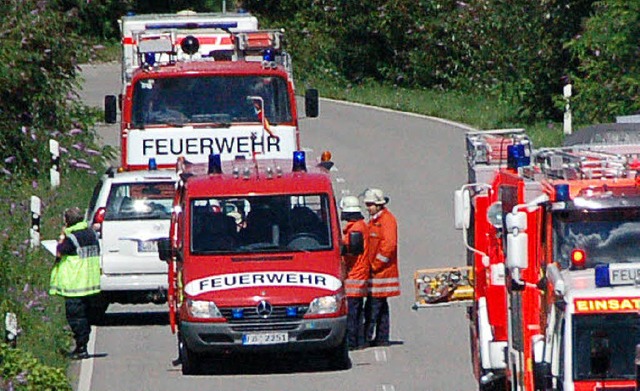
(79, 353)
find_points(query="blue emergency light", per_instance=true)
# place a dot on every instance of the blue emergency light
(562, 192)
(268, 55)
(292, 312)
(152, 164)
(191, 25)
(237, 313)
(517, 156)
(602, 276)
(215, 164)
(299, 161)
(150, 58)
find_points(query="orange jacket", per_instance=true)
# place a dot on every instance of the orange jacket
(383, 255)
(357, 265)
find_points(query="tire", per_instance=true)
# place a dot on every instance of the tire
(97, 308)
(339, 356)
(191, 361)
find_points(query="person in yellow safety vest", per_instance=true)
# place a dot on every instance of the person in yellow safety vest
(357, 267)
(76, 276)
(383, 258)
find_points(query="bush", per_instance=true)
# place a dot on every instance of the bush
(607, 81)
(21, 372)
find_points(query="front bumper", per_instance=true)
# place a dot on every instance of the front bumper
(304, 335)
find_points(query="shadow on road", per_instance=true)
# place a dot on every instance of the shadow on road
(155, 318)
(264, 364)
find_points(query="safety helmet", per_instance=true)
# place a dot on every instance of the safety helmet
(375, 196)
(350, 204)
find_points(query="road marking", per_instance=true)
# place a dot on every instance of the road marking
(86, 366)
(385, 387)
(381, 355)
(384, 109)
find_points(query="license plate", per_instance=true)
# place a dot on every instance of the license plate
(264, 338)
(148, 246)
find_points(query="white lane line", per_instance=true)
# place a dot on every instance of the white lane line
(86, 366)
(385, 387)
(381, 355)
(384, 109)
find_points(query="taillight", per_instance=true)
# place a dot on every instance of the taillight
(98, 219)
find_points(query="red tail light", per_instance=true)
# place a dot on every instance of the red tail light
(98, 219)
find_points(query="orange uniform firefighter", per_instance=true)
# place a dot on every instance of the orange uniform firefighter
(357, 271)
(383, 258)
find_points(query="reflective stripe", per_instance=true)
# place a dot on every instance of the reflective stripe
(355, 282)
(385, 289)
(382, 258)
(74, 240)
(382, 281)
(361, 291)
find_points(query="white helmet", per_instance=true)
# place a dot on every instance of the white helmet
(375, 196)
(350, 204)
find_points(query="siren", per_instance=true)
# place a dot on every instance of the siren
(578, 258)
(215, 164)
(153, 165)
(299, 161)
(562, 192)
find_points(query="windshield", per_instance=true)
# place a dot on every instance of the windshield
(220, 100)
(605, 346)
(261, 224)
(140, 201)
(606, 236)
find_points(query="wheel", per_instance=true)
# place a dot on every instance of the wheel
(191, 361)
(339, 356)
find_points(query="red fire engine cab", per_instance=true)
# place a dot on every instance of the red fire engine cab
(254, 259)
(202, 84)
(531, 219)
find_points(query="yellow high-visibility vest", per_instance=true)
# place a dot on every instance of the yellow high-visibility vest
(77, 275)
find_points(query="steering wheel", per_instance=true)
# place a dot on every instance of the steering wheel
(304, 241)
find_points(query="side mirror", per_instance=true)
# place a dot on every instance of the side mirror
(462, 209)
(356, 244)
(311, 105)
(110, 109)
(164, 249)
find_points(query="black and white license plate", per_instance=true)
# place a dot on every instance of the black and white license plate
(264, 338)
(147, 246)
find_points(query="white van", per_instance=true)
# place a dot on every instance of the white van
(131, 210)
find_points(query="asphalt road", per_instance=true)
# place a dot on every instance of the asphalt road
(419, 162)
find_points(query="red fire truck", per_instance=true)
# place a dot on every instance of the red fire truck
(202, 84)
(538, 225)
(255, 261)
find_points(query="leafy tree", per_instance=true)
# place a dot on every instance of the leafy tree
(607, 80)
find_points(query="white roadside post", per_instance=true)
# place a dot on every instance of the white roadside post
(11, 329)
(54, 172)
(34, 231)
(566, 91)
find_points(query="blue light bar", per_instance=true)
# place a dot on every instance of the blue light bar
(602, 276)
(517, 156)
(268, 55)
(237, 313)
(191, 25)
(150, 58)
(152, 164)
(215, 165)
(292, 312)
(299, 161)
(562, 192)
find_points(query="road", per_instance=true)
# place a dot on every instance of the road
(418, 161)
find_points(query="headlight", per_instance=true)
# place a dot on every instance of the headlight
(203, 309)
(324, 305)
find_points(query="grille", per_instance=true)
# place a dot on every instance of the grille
(250, 315)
